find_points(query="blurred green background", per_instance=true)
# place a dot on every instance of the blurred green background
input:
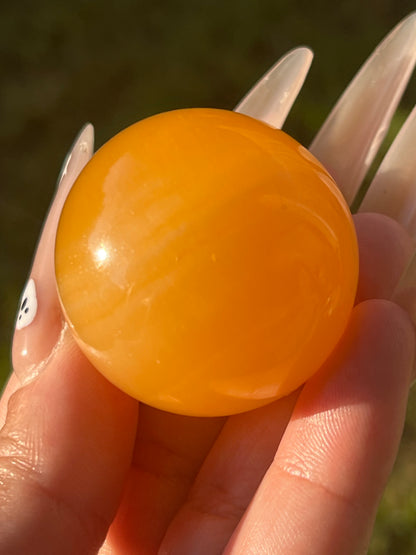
(65, 63)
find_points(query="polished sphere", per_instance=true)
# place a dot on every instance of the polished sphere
(206, 263)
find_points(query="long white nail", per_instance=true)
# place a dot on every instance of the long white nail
(272, 97)
(393, 189)
(351, 136)
(78, 155)
(39, 322)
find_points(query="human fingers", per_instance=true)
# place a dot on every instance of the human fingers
(65, 450)
(384, 251)
(39, 320)
(321, 492)
(68, 434)
(169, 451)
(31, 348)
(246, 446)
(270, 99)
(228, 479)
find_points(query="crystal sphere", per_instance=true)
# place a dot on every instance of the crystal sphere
(206, 263)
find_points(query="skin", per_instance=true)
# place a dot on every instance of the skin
(85, 469)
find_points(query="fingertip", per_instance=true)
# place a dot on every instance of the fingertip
(373, 361)
(384, 251)
(384, 332)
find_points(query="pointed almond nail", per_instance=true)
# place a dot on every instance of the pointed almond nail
(271, 99)
(39, 322)
(393, 189)
(351, 136)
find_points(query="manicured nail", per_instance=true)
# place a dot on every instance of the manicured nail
(352, 134)
(393, 189)
(39, 322)
(81, 149)
(272, 97)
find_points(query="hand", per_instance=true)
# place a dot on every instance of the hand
(85, 469)
(82, 462)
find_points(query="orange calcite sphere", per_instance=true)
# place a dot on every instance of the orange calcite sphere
(206, 263)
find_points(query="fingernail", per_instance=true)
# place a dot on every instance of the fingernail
(39, 323)
(393, 189)
(272, 97)
(81, 149)
(351, 136)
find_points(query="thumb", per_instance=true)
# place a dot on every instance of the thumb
(65, 450)
(68, 434)
(39, 320)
